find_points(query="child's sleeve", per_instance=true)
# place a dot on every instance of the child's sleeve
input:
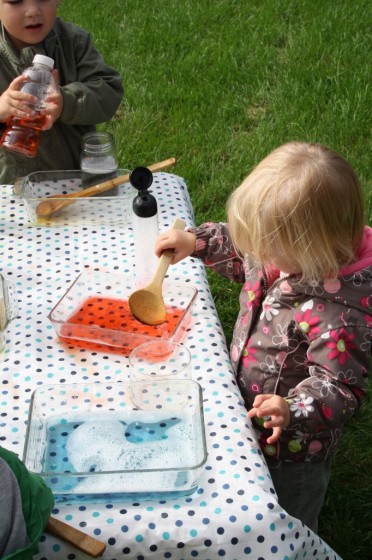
(25, 505)
(338, 365)
(95, 93)
(215, 248)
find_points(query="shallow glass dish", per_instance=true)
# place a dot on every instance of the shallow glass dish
(90, 443)
(94, 313)
(113, 207)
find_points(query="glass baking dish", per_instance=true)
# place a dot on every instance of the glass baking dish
(90, 443)
(113, 207)
(94, 313)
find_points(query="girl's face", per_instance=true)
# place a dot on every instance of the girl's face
(28, 22)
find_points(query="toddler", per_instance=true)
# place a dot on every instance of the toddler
(301, 347)
(89, 91)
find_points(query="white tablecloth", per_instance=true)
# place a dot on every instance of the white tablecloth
(234, 513)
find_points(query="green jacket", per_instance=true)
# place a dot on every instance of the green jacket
(28, 491)
(91, 90)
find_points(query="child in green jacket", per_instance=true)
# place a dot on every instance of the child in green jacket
(89, 90)
(25, 505)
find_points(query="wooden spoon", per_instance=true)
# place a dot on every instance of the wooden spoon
(57, 202)
(78, 539)
(147, 304)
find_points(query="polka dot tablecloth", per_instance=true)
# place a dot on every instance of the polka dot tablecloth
(234, 513)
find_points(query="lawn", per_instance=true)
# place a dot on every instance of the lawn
(218, 85)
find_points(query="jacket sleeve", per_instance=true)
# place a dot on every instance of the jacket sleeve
(37, 503)
(215, 248)
(95, 93)
(338, 365)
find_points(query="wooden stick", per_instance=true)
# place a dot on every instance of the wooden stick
(55, 203)
(78, 539)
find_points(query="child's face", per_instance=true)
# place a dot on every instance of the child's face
(28, 22)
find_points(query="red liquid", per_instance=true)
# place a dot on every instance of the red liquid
(22, 135)
(39, 122)
(112, 327)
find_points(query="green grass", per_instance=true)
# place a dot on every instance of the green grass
(218, 85)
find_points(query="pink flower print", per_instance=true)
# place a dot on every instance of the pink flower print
(217, 238)
(200, 245)
(327, 411)
(255, 387)
(248, 355)
(254, 293)
(269, 308)
(325, 386)
(307, 323)
(368, 319)
(347, 377)
(280, 358)
(366, 302)
(234, 353)
(285, 287)
(340, 345)
(301, 405)
(332, 285)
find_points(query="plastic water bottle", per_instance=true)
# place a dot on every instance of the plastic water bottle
(23, 135)
(145, 226)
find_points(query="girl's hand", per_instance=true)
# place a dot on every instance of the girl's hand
(16, 103)
(276, 409)
(183, 243)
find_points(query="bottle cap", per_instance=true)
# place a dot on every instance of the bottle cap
(42, 59)
(141, 178)
(144, 204)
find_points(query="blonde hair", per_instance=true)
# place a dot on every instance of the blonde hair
(303, 202)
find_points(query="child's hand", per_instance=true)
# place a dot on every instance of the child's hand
(54, 103)
(183, 243)
(16, 103)
(276, 409)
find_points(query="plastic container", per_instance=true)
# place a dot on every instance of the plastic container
(89, 442)
(23, 135)
(94, 313)
(145, 226)
(94, 210)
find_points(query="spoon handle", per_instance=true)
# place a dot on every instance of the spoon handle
(51, 205)
(164, 261)
(80, 540)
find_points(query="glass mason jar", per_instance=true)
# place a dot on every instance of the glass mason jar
(98, 160)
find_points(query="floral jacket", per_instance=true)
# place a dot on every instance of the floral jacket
(311, 344)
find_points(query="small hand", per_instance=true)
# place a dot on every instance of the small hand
(275, 409)
(183, 243)
(16, 103)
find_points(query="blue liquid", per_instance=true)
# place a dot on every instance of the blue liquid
(141, 454)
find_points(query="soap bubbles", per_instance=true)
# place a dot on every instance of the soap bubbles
(96, 446)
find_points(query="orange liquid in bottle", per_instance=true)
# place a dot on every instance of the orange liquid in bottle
(23, 135)
(38, 122)
(112, 327)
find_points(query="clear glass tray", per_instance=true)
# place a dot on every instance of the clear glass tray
(89, 442)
